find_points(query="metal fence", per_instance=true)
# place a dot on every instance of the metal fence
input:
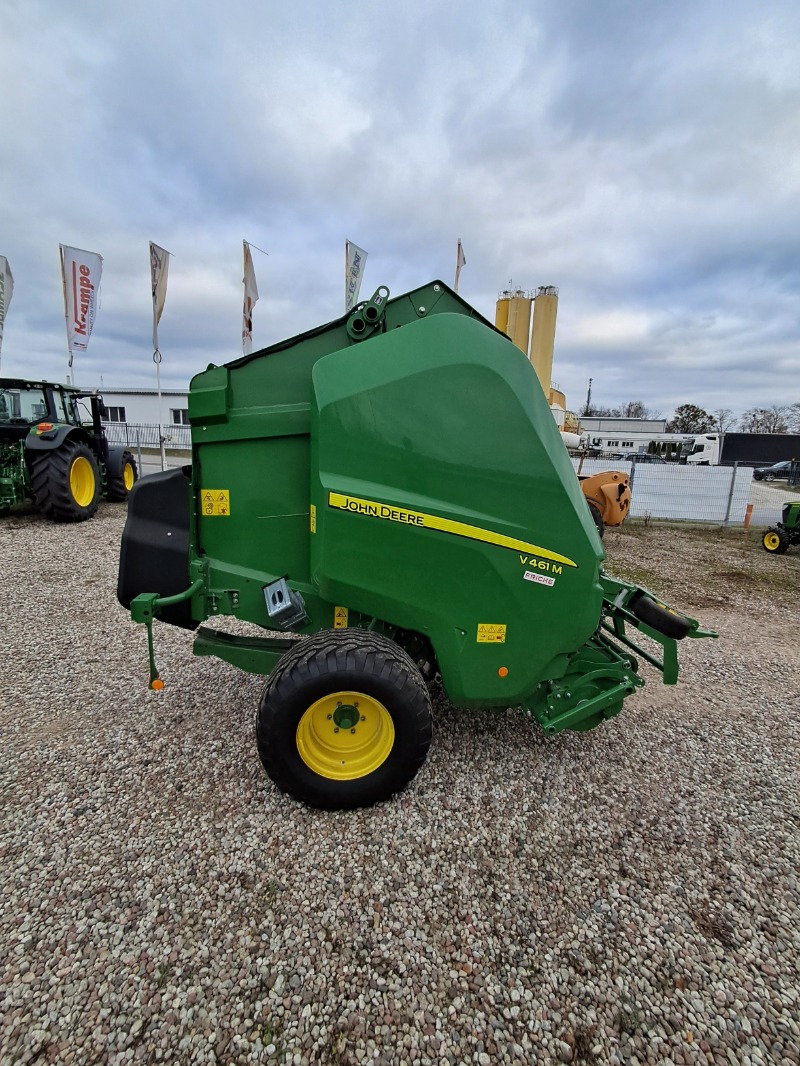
(145, 435)
(724, 495)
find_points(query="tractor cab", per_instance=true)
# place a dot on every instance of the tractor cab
(23, 405)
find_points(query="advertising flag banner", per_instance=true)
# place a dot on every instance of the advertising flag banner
(159, 267)
(250, 300)
(6, 292)
(355, 260)
(461, 260)
(80, 272)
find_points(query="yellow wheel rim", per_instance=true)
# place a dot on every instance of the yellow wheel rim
(345, 735)
(81, 481)
(127, 476)
(771, 541)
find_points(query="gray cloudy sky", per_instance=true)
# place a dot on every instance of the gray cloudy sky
(644, 157)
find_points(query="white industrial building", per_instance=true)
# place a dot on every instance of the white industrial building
(141, 407)
(611, 435)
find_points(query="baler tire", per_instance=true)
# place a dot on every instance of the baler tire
(775, 541)
(299, 742)
(121, 484)
(597, 517)
(66, 482)
(661, 618)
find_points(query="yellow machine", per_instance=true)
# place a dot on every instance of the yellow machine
(608, 495)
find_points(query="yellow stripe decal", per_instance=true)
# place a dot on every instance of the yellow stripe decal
(373, 509)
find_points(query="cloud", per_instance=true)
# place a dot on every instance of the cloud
(644, 158)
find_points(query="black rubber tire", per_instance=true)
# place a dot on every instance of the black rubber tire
(769, 477)
(661, 618)
(598, 518)
(324, 664)
(117, 491)
(775, 541)
(39, 466)
(50, 483)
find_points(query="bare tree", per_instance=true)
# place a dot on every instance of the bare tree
(628, 409)
(772, 419)
(794, 417)
(637, 409)
(723, 419)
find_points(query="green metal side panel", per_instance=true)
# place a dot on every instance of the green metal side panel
(251, 422)
(263, 532)
(430, 444)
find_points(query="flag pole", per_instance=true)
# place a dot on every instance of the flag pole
(162, 440)
(6, 292)
(250, 295)
(461, 260)
(66, 312)
(156, 271)
(346, 269)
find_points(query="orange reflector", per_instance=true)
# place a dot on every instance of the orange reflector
(158, 684)
(503, 671)
(43, 427)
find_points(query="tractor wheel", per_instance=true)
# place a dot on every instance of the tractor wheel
(121, 484)
(344, 720)
(598, 518)
(39, 466)
(775, 541)
(661, 618)
(66, 482)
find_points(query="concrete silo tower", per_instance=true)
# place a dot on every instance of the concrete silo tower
(501, 311)
(543, 334)
(513, 316)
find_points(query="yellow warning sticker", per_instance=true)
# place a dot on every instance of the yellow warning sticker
(313, 515)
(215, 502)
(491, 633)
(340, 618)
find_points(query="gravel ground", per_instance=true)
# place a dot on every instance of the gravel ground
(625, 895)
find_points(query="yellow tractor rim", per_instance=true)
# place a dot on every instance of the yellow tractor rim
(127, 476)
(81, 481)
(345, 735)
(771, 541)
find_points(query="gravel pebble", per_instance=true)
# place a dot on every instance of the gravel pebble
(625, 895)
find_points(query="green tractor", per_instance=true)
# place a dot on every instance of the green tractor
(388, 499)
(51, 454)
(778, 538)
